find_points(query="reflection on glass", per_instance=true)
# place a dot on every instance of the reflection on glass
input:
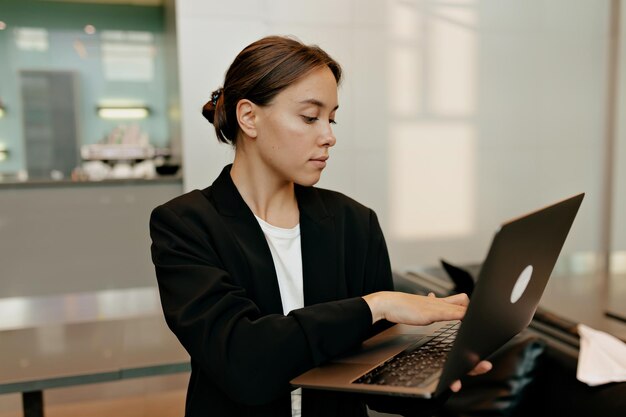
(432, 74)
(405, 81)
(618, 262)
(406, 21)
(432, 159)
(452, 61)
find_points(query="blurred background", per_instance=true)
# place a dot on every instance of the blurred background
(454, 116)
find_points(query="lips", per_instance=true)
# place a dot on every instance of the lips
(321, 158)
(319, 162)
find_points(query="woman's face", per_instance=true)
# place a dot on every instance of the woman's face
(294, 132)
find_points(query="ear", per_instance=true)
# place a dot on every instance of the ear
(246, 117)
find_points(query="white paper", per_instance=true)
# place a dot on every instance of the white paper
(602, 357)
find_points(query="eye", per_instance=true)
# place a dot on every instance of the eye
(309, 120)
(332, 121)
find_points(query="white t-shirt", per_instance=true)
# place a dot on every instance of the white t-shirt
(285, 248)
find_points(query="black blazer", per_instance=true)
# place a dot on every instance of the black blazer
(220, 296)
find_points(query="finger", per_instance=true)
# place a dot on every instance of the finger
(455, 386)
(440, 311)
(458, 299)
(432, 294)
(481, 368)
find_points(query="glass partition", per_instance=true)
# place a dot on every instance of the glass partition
(83, 91)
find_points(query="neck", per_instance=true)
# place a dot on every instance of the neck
(269, 197)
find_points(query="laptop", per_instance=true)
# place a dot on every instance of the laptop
(422, 361)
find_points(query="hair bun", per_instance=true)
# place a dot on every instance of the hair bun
(208, 110)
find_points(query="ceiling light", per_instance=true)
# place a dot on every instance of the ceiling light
(134, 112)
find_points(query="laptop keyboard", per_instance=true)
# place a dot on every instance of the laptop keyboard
(415, 366)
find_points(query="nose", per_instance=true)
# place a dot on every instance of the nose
(328, 137)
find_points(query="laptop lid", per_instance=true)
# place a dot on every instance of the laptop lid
(510, 284)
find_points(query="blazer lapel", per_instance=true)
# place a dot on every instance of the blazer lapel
(259, 272)
(319, 243)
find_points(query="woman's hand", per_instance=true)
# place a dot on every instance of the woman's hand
(480, 368)
(417, 310)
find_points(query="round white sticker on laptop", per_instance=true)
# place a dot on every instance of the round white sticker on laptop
(521, 284)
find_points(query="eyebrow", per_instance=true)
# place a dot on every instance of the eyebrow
(317, 103)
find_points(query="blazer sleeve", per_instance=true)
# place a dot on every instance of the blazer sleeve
(380, 271)
(383, 277)
(250, 357)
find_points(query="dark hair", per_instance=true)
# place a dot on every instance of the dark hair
(261, 71)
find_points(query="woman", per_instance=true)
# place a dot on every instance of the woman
(261, 275)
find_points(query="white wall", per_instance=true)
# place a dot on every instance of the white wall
(455, 115)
